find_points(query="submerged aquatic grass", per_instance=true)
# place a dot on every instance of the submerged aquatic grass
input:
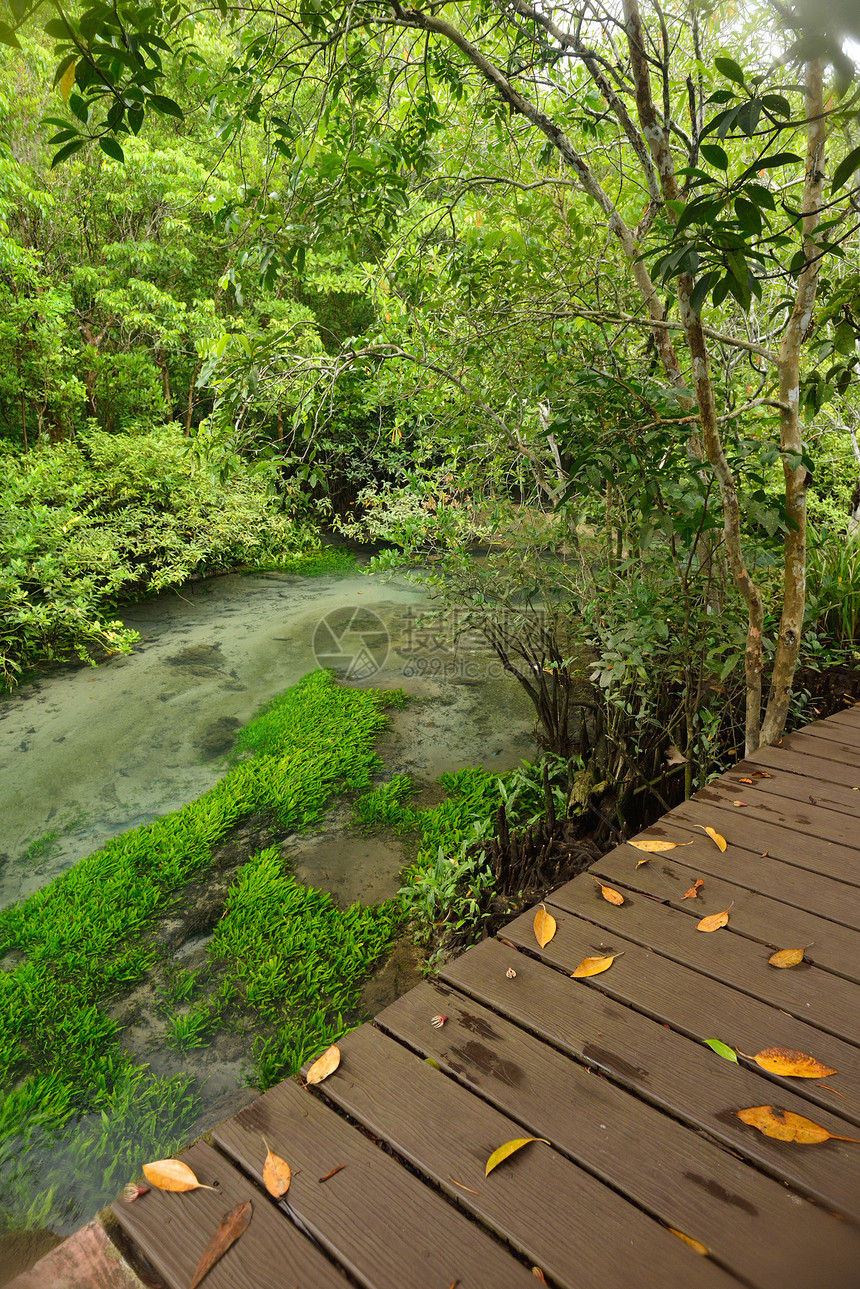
(79, 1113)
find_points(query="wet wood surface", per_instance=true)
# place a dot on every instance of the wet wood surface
(645, 1174)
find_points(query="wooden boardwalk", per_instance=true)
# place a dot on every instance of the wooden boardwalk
(613, 1071)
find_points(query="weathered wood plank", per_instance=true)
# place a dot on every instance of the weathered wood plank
(668, 1169)
(808, 764)
(172, 1230)
(742, 828)
(784, 884)
(793, 778)
(374, 1217)
(822, 1000)
(578, 1231)
(696, 1005)
(661, 1066)
(756, 916)
(801, 815)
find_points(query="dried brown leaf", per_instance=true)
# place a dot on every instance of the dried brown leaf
(715, 921)
(324, 1065)
(693, 892)
(608, 893)
(718, 840)
(509, 1148)
(232, 1226)
(277, 1173)
(793, 1064)
(545, 926)
(784, 1125)
(688, 1239)
(594, 966)
(787, 957)
(172, 1175)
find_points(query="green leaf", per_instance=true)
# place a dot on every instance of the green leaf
(748, 215)
(701, 289)
(111, 148)
(772, 163)
(722, 1049)
(845, 170)
(67, 151)
(777, 104)
(713, 153)
(8, 37)
(166, 106)
(730, 69)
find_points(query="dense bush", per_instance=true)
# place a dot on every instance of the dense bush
(87, 524)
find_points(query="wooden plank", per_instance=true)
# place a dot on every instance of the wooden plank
(791, 785)
(667, 1169)
(172, 1230)
(833, 773)
(742, 828)
(698, 1006)
(376, 1219)
(849, 716)
(801, 744)
(578, 1231)
(822, 1000)
(845, 732)
(801, 815)
(682, 1077)
(817, 739)
(767, 921)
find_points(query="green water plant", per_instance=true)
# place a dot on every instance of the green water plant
(78, 944)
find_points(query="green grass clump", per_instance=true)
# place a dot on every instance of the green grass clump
(294, 962)
(328, 561)
(87, 937)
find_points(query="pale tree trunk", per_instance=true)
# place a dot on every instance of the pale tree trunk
(796, 476)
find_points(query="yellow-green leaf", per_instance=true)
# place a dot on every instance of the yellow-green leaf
(509, 1148)
(68, 79)
(722, 1049)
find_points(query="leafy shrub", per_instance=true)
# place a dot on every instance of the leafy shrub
(88, 524)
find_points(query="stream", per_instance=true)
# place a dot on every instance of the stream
(90, 752)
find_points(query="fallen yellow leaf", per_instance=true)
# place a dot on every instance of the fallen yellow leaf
(688, 1239)
(785, 1060)
(784, 1125)
(693, 892)
(545, 926)
(277, 1173)
(714, 922)
(613, 896)
(593, 966)
(716, 838)
(509, 1148)
(324, 1065)
(172, 1175)
(657, 844)
(787, 957)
